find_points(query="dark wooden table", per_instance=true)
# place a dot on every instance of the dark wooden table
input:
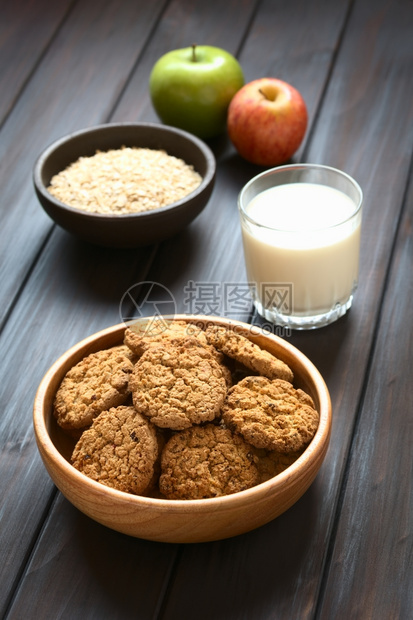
(345, 549)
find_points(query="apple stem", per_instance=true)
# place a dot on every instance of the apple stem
(193, 52)
(262, 93)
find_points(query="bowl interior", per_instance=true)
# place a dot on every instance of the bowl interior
(180, 521)
(104, 137)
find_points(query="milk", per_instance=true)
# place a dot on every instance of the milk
(307, 235)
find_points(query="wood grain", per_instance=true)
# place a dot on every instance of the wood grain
(77, 84)
(26, 30)
(375, 517)
(117, 576)
(340, 546)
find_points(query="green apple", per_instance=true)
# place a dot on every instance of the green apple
(191, 88)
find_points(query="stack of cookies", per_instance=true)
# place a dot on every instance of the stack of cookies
(184, 413)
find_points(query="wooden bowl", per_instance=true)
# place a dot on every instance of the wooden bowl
(125, 230)
(180, 521)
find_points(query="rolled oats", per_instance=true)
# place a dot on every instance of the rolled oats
(125, 180)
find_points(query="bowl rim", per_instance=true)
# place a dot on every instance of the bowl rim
(53, 146)
(316, 447)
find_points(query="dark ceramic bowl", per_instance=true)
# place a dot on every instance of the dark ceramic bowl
(125, 230)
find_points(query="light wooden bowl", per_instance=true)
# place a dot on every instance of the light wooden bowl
(178, 521)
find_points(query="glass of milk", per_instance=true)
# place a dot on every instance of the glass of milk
(301, 235)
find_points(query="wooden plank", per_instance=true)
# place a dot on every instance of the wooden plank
(26, 29)
(66, 92)
(371, 571)
(92, 572)
(77, 84)
(241, 573)
(73, 290)
(366, 136)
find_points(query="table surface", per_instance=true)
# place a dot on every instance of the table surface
(345, 549)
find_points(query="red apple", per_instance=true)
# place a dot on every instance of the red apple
(267, 120)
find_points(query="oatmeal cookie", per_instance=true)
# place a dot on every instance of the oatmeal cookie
(142, 335)
(270, 463)
(248, 353)
(270, 414)
(206, 461)
(97, 383)
(119, 450)
(178, 384)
